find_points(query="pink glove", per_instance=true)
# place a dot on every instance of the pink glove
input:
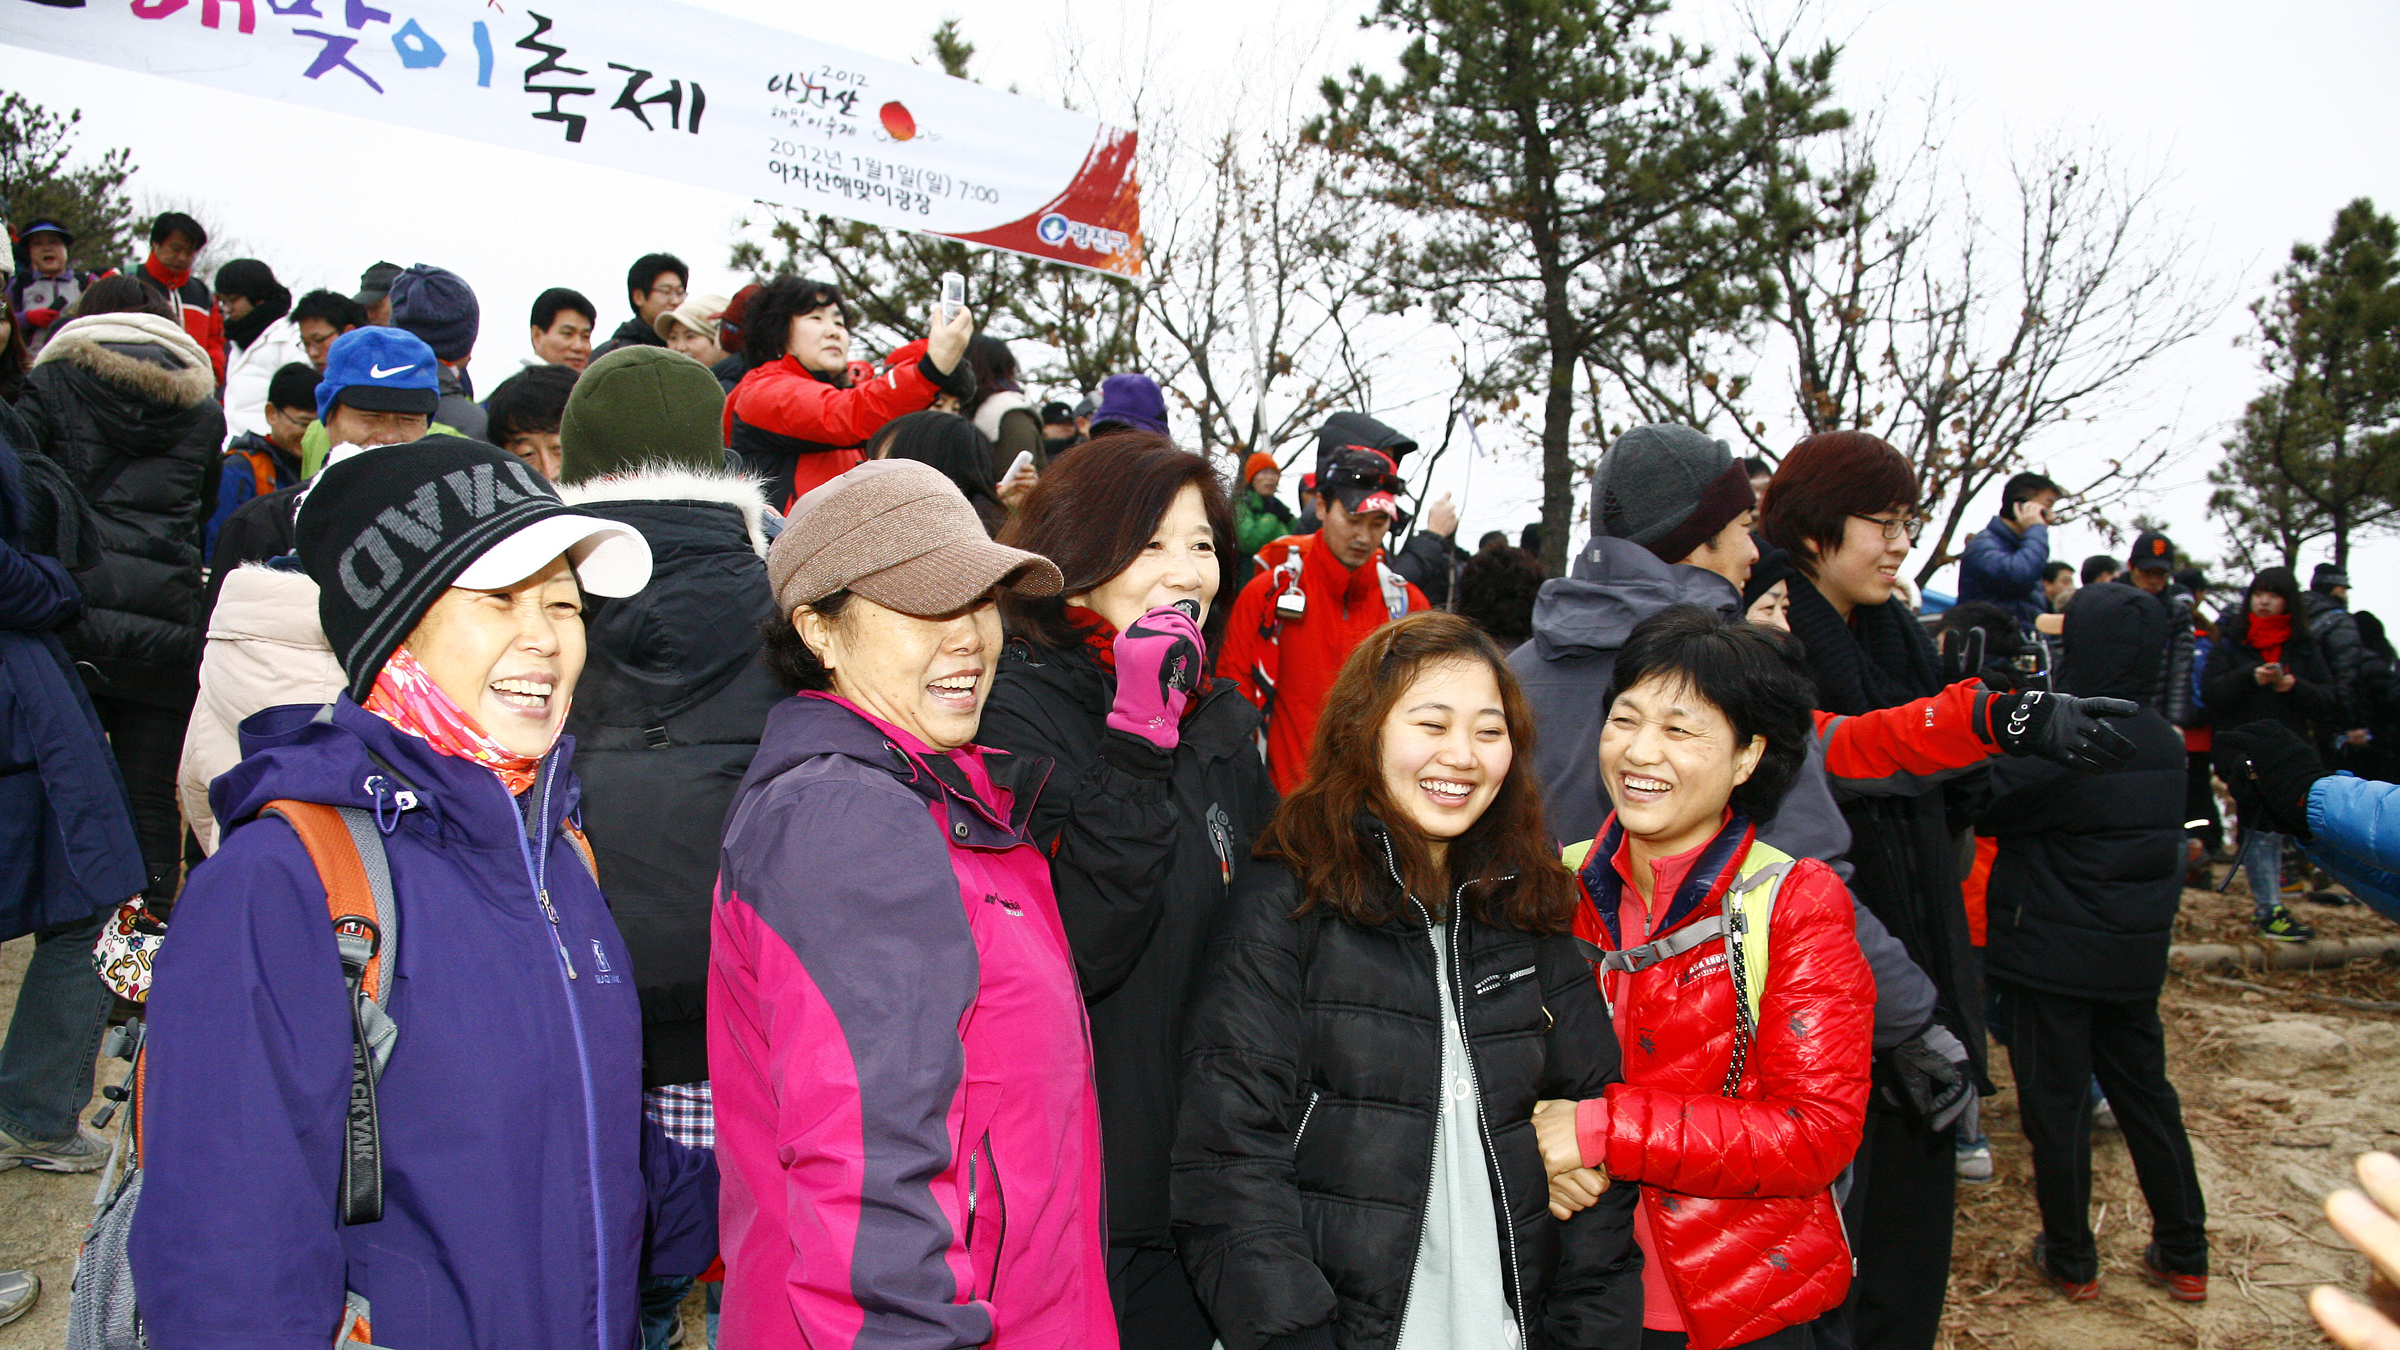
(1160, 661)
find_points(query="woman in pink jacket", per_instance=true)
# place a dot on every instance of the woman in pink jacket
(906, 1126)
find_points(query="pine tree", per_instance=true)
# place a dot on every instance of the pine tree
(37, 179)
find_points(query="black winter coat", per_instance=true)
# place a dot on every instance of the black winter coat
(1143, 848)
(2334, 630)
(1903, 855)
(2089, 872)
(126, 404)
(2236, 698)
(1311, 1093)
(666, 719)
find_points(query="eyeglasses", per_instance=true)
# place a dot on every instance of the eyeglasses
(1896, 526)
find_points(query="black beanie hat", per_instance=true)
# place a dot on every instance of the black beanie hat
(384, 533)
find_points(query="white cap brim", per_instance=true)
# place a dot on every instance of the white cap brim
(609, 558)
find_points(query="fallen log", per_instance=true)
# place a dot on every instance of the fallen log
(2310, 955)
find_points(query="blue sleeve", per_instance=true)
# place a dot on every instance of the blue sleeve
(2356, 823)
(682, 1185)
(247, 1074)
(36, 594)
(235, 485)
(2007, 568)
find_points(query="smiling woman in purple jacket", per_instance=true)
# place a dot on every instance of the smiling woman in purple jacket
(902, 1071)
(522, 1191)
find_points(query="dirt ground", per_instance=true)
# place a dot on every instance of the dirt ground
(2279, 1091)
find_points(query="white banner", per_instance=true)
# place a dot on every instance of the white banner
(656, 88)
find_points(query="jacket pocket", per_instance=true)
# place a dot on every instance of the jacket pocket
(987, 1220)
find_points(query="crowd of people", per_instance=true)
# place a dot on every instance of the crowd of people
(935, 867)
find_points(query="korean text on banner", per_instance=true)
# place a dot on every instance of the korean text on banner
(658, 88)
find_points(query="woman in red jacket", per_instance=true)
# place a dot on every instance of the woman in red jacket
(801, 415)
(1738, 1110)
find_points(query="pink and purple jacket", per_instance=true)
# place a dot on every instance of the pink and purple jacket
(907, 1134)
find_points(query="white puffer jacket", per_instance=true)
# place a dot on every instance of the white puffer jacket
(265, 649)
(251, 369)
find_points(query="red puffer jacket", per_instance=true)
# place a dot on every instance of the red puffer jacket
(1736, 1190)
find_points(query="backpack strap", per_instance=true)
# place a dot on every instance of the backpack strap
(1749, 908)
(348, 852)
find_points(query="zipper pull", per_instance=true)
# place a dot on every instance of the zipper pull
(544, 896)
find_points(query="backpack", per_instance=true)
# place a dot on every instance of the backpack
(348, 852)
(1742, 923)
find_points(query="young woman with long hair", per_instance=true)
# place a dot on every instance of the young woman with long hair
(1392, 993)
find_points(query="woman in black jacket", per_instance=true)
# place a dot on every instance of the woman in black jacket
(1394, 992)
(1843, 505)
(125, 402)
(1144, 824)
(2264, 667)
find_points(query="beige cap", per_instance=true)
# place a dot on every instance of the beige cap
(899, 533)
(698, 313)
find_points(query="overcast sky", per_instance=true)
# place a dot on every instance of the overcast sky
(2265, 120)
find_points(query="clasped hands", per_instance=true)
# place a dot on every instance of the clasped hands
(1573, 1186)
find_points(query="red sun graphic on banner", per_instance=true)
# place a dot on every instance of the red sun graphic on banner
(898, 121)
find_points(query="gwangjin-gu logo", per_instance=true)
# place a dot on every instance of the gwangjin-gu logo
(1055, 229)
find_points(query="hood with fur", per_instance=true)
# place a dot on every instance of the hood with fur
(147, 355)
(673, 483)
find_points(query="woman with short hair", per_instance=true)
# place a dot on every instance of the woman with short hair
(1158, 795)
(1394, 991)
(897, 1045)
(1748, 1044)
(800, 416)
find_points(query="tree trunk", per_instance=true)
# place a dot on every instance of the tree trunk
(1558, 467)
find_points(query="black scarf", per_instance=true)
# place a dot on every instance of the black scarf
(265, 308)
(1880, 659)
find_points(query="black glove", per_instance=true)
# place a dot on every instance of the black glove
(2058, 728)
(2278, 765)
(1930, 1078)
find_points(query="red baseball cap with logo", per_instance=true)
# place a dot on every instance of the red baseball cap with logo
(1365, 481)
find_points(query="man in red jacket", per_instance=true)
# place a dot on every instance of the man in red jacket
(1313, 599)
(175, 243)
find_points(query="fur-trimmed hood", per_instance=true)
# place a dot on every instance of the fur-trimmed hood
(673, 483)
(151, 356)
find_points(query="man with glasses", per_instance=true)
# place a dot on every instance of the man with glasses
(322, 316)
(259, 463)
(653, 285)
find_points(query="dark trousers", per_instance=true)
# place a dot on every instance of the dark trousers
(1154, 1300)
(2200, 802)
(2057, 1044)
(1903, 1197)
(147, 741)
(1790, 1338)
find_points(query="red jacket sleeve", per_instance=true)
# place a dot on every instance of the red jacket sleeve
(788, 401)
(1899, 751)
(1804, 1101)
(1239, 656)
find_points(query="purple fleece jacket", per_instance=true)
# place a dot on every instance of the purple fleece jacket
(522, 1186)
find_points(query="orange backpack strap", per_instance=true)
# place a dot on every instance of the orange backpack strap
(584, 847)
(347, 849)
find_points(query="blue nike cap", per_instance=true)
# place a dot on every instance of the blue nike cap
(380, 370)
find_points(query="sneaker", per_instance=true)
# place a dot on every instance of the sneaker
(2330, 899)
(83, 1153)
(2104, 1116)
(1975, 1160)
(2280, 926)
(2181, 1288)
(2083, 1291)
(19, 1291)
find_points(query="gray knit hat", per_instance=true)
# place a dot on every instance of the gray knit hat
(1669, 489)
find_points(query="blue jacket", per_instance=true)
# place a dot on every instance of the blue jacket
(67, 849)
(522, 1185)
(2356, 822)
(2004, 568)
